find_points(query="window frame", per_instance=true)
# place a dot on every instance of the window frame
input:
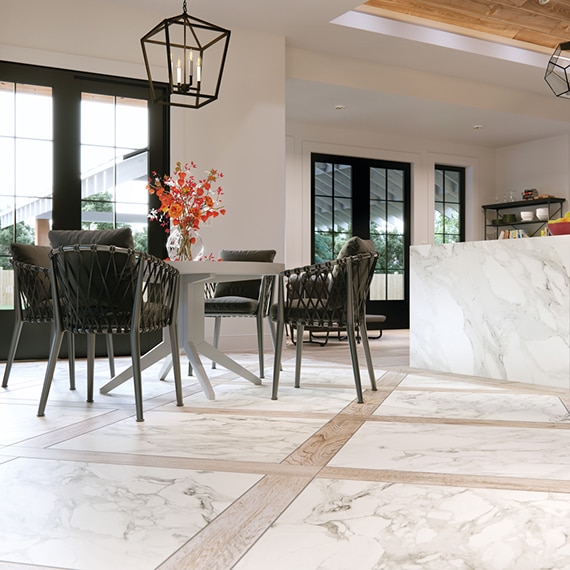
(396, 310)
(67, 86)
(461, 170)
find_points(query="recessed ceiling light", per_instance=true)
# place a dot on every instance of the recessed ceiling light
(477, 127)
(340, 107)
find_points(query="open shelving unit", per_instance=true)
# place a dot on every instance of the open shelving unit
(493, 212)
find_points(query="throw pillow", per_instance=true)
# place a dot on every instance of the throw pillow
(249, 289)
(120, 237)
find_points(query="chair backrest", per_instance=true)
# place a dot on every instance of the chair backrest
(32, 288)
(250, 288)
(106, 289)
(332, 293)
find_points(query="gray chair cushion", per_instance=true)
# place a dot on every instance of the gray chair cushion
(356, 245)
(120, 237)
(249, 289)
(32, 254)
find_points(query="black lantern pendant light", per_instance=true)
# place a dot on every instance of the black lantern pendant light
(188, 55)
(558, 70)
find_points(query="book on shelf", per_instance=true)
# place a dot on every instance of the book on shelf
(512, 234)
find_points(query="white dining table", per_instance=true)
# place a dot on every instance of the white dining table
(191, 321)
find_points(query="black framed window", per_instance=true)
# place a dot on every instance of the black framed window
(449, 211)
(76, 150)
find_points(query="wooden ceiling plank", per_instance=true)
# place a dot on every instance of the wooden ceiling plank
(500, 11)
(562, 31)
(523, 20)
(536, 38)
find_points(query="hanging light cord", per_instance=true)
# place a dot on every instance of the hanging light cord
(184, 7)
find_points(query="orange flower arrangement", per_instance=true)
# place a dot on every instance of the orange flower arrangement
(186, 202)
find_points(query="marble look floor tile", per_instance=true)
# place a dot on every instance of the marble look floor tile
(244, 395)
(507, 407)
(340, 525)
(19, 422)
(60, 392)
(459, 449)
(201, 435)
(419, 381)
(86, 516)
(316, 372)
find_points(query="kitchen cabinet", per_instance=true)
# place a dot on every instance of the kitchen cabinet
(494, 214)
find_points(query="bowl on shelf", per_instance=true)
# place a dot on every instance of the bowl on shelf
(527, 216)
(559, 228)
(542, 214)
(509, 218)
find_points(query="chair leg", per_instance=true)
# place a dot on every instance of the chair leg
(217, 325)
(277, 362)
(173, 331)
(273, 341)
(53, 354)
(110, 354)
(12, 351)
(298, 355)
(259, 322)
(368, 356)
(351, 334)
(137, 374)
(90, 365)
(71, 359)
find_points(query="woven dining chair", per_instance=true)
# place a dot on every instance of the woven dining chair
(251, 298)
(33, 303)
(325, 295)
(110, 290)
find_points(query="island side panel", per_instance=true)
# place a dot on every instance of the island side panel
(498, 309)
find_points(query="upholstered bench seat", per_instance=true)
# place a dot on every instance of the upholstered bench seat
(375, 323)
(232, 304)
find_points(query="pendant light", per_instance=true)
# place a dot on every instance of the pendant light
(188, 56)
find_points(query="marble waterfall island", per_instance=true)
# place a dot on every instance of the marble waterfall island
(498, 309)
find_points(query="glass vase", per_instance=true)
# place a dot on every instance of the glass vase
(184, 244)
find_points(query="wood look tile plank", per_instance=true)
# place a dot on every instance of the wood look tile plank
(224, 541)
(447, 479)
(319, 449)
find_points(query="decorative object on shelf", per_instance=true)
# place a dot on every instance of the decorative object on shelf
(560, 226)
(184, 204)
(557, 71)
(527, 216)
(509, 218)
(196, 54)
(542, 214)
(529, 194)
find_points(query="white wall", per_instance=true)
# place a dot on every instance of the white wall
(304, 139)
(542, 164)
(242, 134)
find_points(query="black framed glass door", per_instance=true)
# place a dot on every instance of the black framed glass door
(371, 199)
